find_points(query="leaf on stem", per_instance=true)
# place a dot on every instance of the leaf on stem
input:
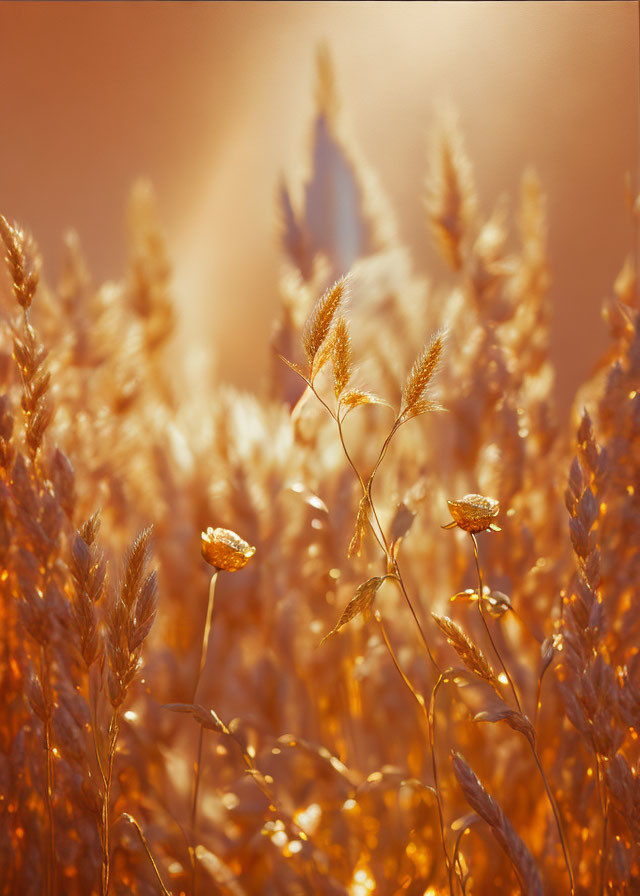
(496, 603)
(400, 525)
(359, 603)
(466, 596)
(208, 718)
(500, 712)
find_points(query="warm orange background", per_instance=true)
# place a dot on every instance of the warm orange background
(214, 100)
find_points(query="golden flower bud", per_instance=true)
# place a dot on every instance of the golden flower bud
(225, 550)
(474, 513)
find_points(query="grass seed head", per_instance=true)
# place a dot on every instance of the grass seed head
(319, 323)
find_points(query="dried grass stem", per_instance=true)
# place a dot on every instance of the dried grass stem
(114, 727)
(51, 848)
(131, 820)
(484, 621)
(198, 763)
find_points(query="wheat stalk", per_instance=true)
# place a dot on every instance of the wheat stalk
(469, 653)
(501, 828)
(131, 615)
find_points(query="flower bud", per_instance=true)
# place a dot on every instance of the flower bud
(475, 513)
(225, 550)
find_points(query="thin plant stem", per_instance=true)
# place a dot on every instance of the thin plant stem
(484, 622)
(194, 808)
(603, 854)
(207, 630)
(379, 534)
(392, 564)
(131, 820)
(51, 848)
(432, 737)
(402, 586)
(103, 778)
(550, 796)
(524, 625)
(390, 558)
(537, 709)
(106, 820)
(97, 750)
(51, 887)
(556, 815)
(369, 488)
(380, 537)
(456, 859)
(430, 718)
(605, 824)
(198, 763)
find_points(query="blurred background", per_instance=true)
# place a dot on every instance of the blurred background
(214, 103)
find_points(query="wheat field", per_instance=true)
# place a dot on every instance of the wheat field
(373, 631)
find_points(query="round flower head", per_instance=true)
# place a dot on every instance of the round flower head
(474, 513)
(225, 550)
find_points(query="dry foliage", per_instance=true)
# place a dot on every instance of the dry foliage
(320, 769)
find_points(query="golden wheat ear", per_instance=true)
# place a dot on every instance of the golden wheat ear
(342, 357)
(470, 654)
(487, 808)
(319, 321)
(422, 371)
